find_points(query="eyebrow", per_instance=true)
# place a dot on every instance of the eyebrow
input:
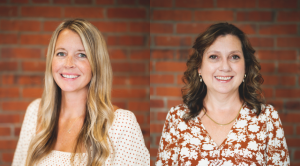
(235, 51)
(65, 49)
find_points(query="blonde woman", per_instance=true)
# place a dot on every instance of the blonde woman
(74, 123)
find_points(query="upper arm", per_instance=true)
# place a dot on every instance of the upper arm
(26, 134)
(277, 150)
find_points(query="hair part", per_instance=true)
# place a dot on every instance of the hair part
(99, 116)
(195, 91)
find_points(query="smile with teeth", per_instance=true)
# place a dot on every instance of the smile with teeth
(69, 76)
(223, 78)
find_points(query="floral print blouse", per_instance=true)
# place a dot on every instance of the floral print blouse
(252, 141)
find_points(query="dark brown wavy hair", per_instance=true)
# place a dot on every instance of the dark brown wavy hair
(195, 91)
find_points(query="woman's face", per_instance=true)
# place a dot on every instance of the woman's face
(223, 65)
(71, 69)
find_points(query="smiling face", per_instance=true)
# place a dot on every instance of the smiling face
(71, 69)
(223, 65)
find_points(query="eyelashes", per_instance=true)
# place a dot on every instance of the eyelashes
(234, 57)
(80, 55)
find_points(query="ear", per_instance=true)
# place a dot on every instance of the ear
(199, 70)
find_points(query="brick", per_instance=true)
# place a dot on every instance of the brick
(129, 93)
(83, 1)
(41, 11)
(277, 54)
(126, 2)
(133, 13)
(40, 1)
(83, 12)
(125, 40)
(20, 25)
(8, 38)
(32, 92)
(288, 42)
(161, 79)
(120, 104)
(191, 28)
(62, 1)
(277, 104)
(4, 131)
(151, 91)
(162, 54)
(194, 3)
(161, 28)
(288, 129)
(162, 116)
(153, 151)
(157, 140)
(179, 80)
(170, 66)
(15, 105)
(236, 4)
(183, 54)
(19, 1)
(247, 28)
(278, 29)
(267, 92)
(287, 93)
(50, 26)
(139, 80)
(254, 16)
(20, 53)
(31, 80)
(140, 54)
(120, 80)
(261, 41)
(160, 3)
(117, 54)
(8, 66)
(35, 39)
(139, 27)
(11, 118)
(214, 15)
(293, 142)
(128, 67)
(173, 103)
(156, 128)
(9, 79)
(105, 2)
(8, 11)
(8, 144)
(172, 15)
(144, 2)
(279, 80)
(285, 16)
(156, 103)
(111, 26)
(277, 4)
(140, 119)
(293, 105)
(172, 41)
(34, 66)
(297, 155)
(288, 68)
(168, 91)
(7, 157)
(139, 106)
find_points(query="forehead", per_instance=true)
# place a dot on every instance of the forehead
(68, 39)
(225, 43)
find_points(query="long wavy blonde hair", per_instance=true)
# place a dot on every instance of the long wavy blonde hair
(99, 116)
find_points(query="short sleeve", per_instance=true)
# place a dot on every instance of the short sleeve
(168, 150)
(127, 141)
(277, 150)
(27, 132)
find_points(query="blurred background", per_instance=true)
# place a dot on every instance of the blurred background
(273, 27)
(25, 30)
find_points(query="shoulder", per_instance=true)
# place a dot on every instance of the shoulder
(124, 119)
(33, 107)
(179, 110)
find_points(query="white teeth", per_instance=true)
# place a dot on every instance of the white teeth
(69, 76)
(223, 78)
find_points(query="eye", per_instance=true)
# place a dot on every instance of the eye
(60, 54)
(213, 57)
(81, 55)
(235, 57)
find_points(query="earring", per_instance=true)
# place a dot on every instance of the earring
(200, 77)
(244, 78)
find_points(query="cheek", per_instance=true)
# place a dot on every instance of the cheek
(55, 65)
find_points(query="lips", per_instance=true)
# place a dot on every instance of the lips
(223, 78)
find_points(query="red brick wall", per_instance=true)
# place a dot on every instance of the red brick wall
(273, 28)
(25, 30)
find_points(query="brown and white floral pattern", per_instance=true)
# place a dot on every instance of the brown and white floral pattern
(252, 141)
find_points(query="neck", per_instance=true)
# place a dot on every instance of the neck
(216, 102)
(73, 104)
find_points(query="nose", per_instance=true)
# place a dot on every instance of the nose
(225, 65)
(69, 62)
